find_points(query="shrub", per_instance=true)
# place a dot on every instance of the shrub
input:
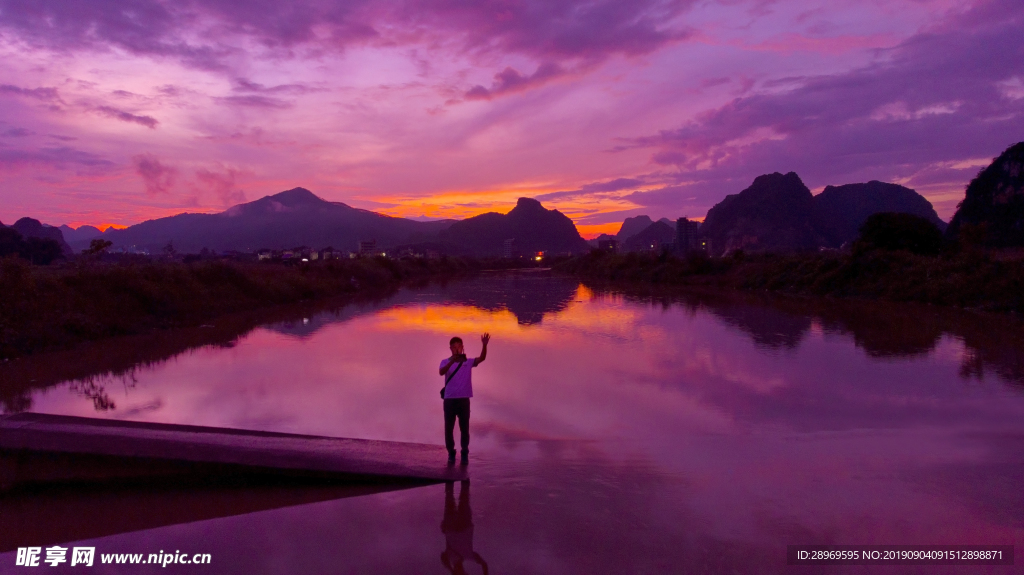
(892, 232)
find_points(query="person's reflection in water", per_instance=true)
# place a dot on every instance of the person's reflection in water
(457, 527)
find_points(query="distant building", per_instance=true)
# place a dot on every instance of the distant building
(608, 246)
(686, 236)
(264, 255)
(368, 248)
(509, 248)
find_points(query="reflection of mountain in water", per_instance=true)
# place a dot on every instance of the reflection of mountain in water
(305, 327)
(993, 344)
(527, 295)
(121, 358)
(768, 327)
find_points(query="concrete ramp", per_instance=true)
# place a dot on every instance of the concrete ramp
(40, 448)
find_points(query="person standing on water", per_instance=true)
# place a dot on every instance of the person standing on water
(458, 388)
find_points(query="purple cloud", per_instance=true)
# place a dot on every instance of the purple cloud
(592, 189)
(158, 178)
(244, 85)
(148, 121)
(255, 101)
(51, 157)
(42, 94)
(15, 133)
(549, 30)
(510, 80)
(146, 27)
(556, 29)
(934, 98)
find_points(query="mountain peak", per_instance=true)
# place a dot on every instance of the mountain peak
(297, 197)
(632, 226)
(528, 204)
(28, 224)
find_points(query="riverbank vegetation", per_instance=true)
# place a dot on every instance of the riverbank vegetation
(969, 278)
(54, 307)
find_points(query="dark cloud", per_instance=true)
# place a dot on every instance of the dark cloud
(110, 112)
(556, 29)
(60, 157)
(15, 133)
(149, 27)
(255, 101)
(199, 33)
(158, 178)
(690, 199)
(244, 85)
(934, 98)
(42, 94)
(510, 80)
(609, 217)
(592, 189)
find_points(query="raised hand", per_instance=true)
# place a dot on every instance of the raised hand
(485, 338)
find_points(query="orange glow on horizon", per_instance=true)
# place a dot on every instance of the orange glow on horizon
(592, 231)
(101, 227)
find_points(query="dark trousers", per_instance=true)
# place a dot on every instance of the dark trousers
(456, 408)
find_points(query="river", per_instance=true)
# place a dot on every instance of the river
(614, 431)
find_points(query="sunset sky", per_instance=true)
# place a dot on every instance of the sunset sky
(113, 112)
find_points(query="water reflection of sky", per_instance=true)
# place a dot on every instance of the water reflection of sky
(611, 433)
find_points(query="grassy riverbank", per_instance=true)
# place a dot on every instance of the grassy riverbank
(48, 308)
(982, 280)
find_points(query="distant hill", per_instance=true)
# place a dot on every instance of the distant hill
(594, 242)
(658, 233)
(995, 198)
(292, 218)
(533, 227)
(776, 213)
(77, 237)
(32, 228)
(632, 226)
(840, 211)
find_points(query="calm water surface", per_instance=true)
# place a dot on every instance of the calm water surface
(612, 433)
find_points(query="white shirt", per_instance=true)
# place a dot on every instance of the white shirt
(461, 384)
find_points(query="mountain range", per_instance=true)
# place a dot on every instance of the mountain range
(297, 217)
(32, 228)
(777, 212)
(289, 219)
(532, 227)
